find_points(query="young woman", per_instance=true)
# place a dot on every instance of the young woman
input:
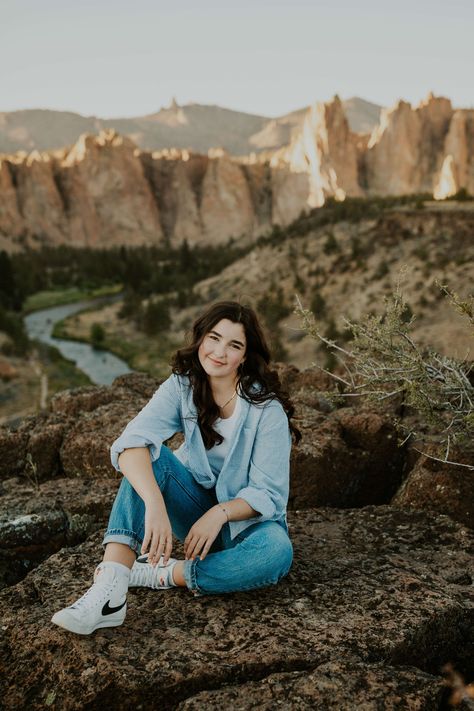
(223, 492)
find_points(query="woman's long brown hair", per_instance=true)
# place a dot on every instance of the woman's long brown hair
(255, 368)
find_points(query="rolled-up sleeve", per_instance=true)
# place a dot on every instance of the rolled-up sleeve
(269, 472)
(159, 420)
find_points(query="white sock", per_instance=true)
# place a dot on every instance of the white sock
(171, 579)
(122, 570)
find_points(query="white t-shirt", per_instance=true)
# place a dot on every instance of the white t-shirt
(217, 454)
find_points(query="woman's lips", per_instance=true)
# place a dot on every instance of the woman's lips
(216, 362)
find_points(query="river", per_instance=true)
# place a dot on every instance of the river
(102, 367)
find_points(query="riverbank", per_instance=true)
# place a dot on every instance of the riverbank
(48, 299)
(35, 380)
(147, 354)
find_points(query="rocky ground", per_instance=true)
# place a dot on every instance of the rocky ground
(379, 599)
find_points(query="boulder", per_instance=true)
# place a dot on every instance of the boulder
(441, 487)
(36, 521)
(340, 685)
(377, 597)
(349, 458)
(32, 448)
(64, 439)
(85, 451)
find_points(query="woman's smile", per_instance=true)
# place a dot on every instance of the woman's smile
(216, 362)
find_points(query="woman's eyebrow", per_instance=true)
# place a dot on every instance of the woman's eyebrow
(234, 340)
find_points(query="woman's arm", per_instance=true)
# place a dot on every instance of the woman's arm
(154, 424)
(135, 465)
(238, 510)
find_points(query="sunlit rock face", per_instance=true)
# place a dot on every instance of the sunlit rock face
(457, 169)
(104, 191)
(404, 153)
(326, 150)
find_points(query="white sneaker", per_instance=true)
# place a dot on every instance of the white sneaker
(144, 575)
(103, 605)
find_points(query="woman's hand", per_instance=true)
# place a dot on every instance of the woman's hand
(203, 533)
(158, 540)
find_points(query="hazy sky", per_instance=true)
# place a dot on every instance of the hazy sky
(116, 58)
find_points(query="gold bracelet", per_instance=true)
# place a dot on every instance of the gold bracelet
(225, 511)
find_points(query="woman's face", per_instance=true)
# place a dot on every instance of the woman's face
(223, 349)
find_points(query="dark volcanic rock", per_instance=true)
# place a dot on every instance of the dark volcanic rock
(441, 487)
(338, 685)
(370, 596)
(349, 458)
(138, 383)
(65, 439)
(38, 521)
(73, 403)
(85, 451)
(33, 447)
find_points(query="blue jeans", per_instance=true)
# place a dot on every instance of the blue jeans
(256, 557)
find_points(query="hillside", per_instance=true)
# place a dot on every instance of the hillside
(340, 269)
(197, 127)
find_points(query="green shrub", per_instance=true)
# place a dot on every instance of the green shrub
(13, 326)
(155, 317)
(97, 335)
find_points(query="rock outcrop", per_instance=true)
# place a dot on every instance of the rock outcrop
(326, 149)
(38, 519)
(104, 191)
(348, 457)
(377, 601)
(379, 598)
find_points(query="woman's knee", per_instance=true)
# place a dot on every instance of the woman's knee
(284, 555)
(276, 550)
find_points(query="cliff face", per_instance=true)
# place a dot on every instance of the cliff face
(405, 151)
(105, 191)
(429, 148)
(326, 150)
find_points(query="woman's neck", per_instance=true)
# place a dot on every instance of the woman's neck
(222, 389)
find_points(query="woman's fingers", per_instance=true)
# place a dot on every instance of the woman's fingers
(146, 541)
(160, 548)
(197, 547)
(205, 550)
(168, 549)
(153, 546)
(188, 542)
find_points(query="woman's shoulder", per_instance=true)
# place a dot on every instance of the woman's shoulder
(179, 380)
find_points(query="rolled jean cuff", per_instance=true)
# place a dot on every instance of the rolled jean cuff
(125, 537)
(189, 575)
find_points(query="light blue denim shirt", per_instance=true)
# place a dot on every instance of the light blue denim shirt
(257, 465)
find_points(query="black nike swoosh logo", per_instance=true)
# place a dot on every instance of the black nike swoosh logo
(107, 610)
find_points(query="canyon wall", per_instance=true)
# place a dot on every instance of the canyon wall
(104, 191)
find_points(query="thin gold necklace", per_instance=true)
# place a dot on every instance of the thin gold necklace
(230, 400)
